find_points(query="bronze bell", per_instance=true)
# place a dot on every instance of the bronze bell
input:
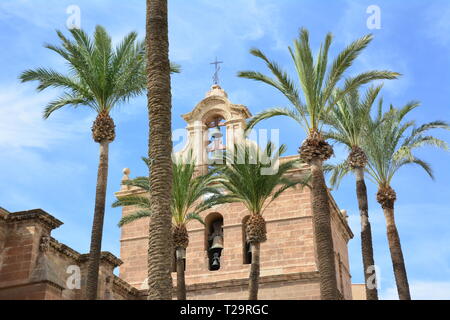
(216, 134)
(217, 243)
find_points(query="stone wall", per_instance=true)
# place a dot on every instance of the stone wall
(33, 265)
(288, 252)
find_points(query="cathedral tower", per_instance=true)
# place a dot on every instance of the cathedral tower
(218, 258)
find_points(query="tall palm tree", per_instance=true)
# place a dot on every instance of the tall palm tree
(389, 148)
(318, 81)
(351, 122)
(245, 180)
(191, 194)
(100, 78)
(159, 150)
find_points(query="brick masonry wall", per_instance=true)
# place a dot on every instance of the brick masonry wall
(19, 253)
(35, 266)
(289, 250)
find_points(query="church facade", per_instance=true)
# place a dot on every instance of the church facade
(288, 257)
(33, 265)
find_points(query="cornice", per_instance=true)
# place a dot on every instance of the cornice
(38, 215)
(300, 276)
(124, 286)
(48, 242)
(105, 256)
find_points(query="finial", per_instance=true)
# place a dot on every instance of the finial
(217, 69)
(126, 173)
(344, 213)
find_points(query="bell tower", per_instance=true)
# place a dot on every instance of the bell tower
(218, 257)
(204, 123)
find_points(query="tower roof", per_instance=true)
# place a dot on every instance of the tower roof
(216, 103)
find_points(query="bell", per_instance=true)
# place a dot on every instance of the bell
(217, 243)
(216, 134)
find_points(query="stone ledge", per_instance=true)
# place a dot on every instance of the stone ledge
(46, 282)
(124, 287)
(36, 215)
(301, 276)
(105, 256)
(51, 243)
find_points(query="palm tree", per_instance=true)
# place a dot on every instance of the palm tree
(245, 180)
(191, 194)
(159, 150)
(318, 82)
(389, 148)
(100, 78)
(350, 123)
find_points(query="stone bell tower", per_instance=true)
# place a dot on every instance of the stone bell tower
(213, 112)
(218, 257)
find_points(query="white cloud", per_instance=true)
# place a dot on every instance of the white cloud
(226, 25)
(28, 11)
(422, 290)
(22, 125)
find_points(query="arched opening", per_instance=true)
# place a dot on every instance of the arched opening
(246, 247)
(216, 144)
(214, 239)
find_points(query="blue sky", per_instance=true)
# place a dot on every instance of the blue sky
(52, 164)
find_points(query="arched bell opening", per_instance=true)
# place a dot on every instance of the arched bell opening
(216, 143)
(214, 243)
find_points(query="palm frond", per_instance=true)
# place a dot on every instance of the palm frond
(245, 179)
(98, 75)
(317, 81)
(194, 216)
(65, 100)
(393, 142)
(139, 201)
(273, 112)
(338, 172)
(134, 217)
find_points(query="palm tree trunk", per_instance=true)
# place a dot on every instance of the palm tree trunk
(398, 262)
(322, 232)
(254, 272)
(97, 225)
(366, 236)
(181, 285)
(160, 151)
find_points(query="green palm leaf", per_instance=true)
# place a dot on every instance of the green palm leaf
(99, 75)
(318, 80)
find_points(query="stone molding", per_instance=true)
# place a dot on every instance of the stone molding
(124, 287)
(51, 243)
(47, 282)
(48, 242)
(37, 215)
(105, 256)
(300, 276)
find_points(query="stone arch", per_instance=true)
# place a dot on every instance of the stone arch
(213, 220)
(215, 104)
(209, 220)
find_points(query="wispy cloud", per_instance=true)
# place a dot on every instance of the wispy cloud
(224, 25)
(422, 290)
(21, 120)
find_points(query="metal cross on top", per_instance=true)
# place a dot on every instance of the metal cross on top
(216, 73)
